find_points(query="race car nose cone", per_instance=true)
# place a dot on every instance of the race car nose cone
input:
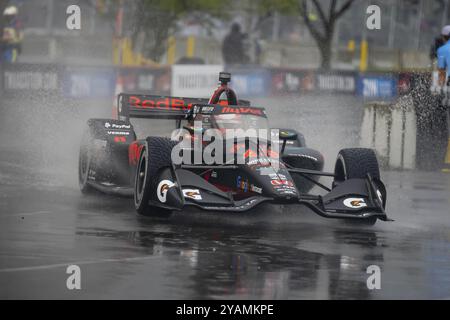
(286, 197)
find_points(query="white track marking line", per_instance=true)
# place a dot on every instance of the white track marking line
(24, 214)
(79, 263)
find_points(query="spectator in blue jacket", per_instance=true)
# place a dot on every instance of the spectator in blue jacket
(443, 56)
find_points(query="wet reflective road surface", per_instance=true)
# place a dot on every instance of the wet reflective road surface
(274, 253)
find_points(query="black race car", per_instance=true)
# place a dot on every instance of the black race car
(112, 160)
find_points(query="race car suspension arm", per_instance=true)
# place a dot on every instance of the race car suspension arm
(206, 167)
(305, 174)
(209, 168)
(311, 172)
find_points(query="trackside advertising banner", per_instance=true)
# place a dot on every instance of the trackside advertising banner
(377, 86)
(285, 81)
(194, 81)
(250, 82)
(414, 82)
(336, 82)
(30, 79)
(81, 82)
(145, 80)
(88, 82)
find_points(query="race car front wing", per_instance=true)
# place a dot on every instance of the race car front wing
(352, 199)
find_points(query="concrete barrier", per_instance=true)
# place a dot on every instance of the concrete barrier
(390, 129)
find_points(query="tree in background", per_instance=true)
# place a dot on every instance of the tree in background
(150, 23)
(319, 16)
(156, 20)
(323, 30)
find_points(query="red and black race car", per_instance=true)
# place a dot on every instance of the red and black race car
(279, 170)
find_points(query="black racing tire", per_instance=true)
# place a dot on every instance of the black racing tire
(155, 156)
(356, 164)
(84, 162)
(301, 140)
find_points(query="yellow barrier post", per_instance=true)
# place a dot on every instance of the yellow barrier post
(363, 63)
(127, 53)
(171, 50)
(351, 46)
(190, 47)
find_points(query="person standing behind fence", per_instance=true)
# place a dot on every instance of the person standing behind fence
(440, 120)
(11, 41)
(233, 46)
(443, 57)
(438, 42)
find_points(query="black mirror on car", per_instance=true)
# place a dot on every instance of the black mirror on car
(288, 135)
(285, 136)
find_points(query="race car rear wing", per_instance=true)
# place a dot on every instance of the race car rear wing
(158, 107)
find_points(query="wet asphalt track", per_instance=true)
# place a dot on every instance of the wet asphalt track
(274, 253)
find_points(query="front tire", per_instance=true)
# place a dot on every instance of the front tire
(84, 164)
(155, 156)
(356, 164)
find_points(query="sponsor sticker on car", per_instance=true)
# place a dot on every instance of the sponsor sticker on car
(355, 203)
(280, 182)
(119, 133)
(255, 189)
(162, 189)
(193, 194)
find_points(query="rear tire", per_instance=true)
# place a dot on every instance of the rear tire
(84, 162)
(155, 156)
(356, 164)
